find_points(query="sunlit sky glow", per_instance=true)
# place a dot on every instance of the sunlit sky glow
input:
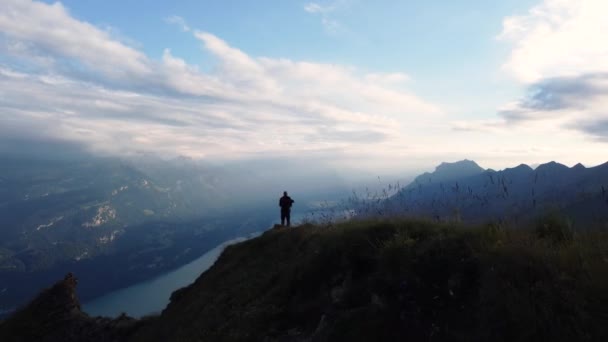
(373, 85)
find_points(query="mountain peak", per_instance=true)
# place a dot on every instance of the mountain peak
(457, 169)
(551, 166)
(448, 171)
(520, 167)
(578, 166)
(458, 164)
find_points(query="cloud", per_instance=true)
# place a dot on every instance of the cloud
(596, 128)
(331, 25)
(576, 102)
(557, 38)
(560, 54)
(179, 22)
(242, 71)
(67, 79)
(54, 37)
(313, 7)
(573, 93)
(487, 126)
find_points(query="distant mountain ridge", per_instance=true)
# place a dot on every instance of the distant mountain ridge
(465, 191)
(129, 219)
(448, 171)
(91, 213)
(54, 211)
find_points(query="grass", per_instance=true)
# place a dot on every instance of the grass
(398, 279)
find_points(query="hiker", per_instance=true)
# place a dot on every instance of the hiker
(285, 203)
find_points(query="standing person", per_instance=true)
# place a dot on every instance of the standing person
(285, 203)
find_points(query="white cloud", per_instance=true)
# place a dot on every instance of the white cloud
(560, 53)
(325, 11)
(50, 32)
(236, 67)
(387, 78)
(61, 78)
(558, 38)
(113, 98)
(332, 26)
(313, 7)
(179, 22)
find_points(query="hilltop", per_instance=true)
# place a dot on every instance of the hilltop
(389, 280)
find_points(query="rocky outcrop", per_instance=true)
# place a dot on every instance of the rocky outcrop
(55, 315)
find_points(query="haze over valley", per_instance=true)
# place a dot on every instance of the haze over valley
(440, 155)
(119, 221)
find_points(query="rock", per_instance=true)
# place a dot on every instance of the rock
(55, 315)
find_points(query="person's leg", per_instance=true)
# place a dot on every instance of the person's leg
(288, 217)
(283, 218)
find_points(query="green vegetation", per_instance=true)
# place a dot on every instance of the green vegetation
(397, 279)
(375, 280)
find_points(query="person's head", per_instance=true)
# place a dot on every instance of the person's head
(284, 193)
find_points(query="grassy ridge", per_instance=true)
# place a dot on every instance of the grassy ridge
(398, 279)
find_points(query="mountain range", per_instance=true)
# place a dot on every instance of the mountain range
(357, 280)
(464, 191)
(108, 218)
(119, 221)
(125, 221)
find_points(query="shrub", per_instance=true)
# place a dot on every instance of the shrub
(554, 228)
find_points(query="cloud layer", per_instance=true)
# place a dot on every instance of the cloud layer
(557, 38)
(560, 53)
(576, 102)
(63, 79)
(67, 79)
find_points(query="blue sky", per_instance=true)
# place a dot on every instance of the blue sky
(360, 84)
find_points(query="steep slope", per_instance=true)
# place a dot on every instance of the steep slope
(368, 281)
(393, 281)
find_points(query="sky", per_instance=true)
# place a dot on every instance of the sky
(377, 86)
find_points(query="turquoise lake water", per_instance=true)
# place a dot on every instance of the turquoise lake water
(152, 296)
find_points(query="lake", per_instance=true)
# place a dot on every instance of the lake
(152, 296)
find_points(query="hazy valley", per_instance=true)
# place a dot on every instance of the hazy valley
(118, 221)
(286, 171)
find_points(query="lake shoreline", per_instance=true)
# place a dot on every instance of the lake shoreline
(152, 296)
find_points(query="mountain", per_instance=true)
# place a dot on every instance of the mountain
(121, 220)
(448, 171)
(126, 220)
(464, 191)
(389, 280)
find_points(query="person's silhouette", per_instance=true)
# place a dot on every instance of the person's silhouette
(285, 203)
